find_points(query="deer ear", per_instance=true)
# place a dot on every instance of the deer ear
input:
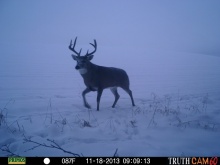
(74, 57)
(90, 57)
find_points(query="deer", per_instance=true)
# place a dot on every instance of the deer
(97, 78)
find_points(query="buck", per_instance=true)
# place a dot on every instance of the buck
(97, 78)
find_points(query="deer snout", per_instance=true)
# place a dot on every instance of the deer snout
(77, 67)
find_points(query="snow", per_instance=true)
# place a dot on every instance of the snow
(173, 69)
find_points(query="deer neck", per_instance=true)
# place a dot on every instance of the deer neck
(86, 72)
(83, 71)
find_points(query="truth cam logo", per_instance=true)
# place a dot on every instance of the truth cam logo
(193, 161)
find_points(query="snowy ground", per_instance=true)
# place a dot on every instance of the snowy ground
(177, 110)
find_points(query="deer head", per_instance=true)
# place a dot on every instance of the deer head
(82, 61)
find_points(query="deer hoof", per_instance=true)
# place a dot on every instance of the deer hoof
(88, 106)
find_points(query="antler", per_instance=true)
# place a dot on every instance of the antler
(73, 47)
(95, 46)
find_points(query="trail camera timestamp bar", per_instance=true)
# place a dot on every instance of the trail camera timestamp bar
(110, 160)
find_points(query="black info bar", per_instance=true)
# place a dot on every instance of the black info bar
(110, 160)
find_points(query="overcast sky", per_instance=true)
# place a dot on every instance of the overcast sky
(189, 25)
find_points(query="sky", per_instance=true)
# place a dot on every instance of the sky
(191, 26)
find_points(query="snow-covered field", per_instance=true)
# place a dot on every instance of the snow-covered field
(177, 97)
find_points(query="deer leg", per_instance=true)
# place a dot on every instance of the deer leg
(130, 94)
(115, 93)
(99, 94)
(87, 90)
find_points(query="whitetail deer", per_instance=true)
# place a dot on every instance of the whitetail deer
(97, 78)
